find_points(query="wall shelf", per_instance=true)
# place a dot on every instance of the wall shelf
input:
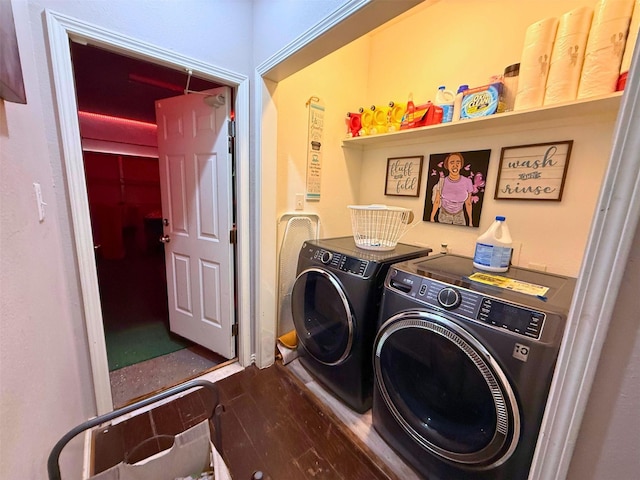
(607, 104)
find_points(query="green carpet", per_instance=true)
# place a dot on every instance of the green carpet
(140, 342)
(135, 315)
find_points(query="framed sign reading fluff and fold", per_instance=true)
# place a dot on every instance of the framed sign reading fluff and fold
(533, 172)
(403, 176)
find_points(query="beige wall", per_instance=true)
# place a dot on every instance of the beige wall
(416, 54)
(340, 82)
(552, 234)
(453, 42)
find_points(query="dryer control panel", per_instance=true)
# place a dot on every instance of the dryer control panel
(342, 262)
(469, 304)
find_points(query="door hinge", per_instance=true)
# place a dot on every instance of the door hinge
(234, 330)
(232, 135)
(233, 236)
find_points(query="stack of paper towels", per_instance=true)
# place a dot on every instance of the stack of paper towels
(632, 38)
(580, 55)
(534, 63)
(605, 47)
(567, 56)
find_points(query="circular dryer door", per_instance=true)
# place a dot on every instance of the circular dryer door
(445, 390)
(322, 316)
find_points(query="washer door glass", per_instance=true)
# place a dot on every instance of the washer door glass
(322, 316)
(445, 390)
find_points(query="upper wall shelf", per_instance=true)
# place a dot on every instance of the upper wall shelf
(592, 106)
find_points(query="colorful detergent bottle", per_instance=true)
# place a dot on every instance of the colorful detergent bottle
(366, 120)
(380, 118)
(396, 112)
(409, 119)
(353, 124)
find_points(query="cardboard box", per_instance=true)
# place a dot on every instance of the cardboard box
(423, 115)
(481, 101)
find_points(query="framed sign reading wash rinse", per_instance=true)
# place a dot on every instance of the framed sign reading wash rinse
(533, 172)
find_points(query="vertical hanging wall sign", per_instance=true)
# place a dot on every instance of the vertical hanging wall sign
(314, 148)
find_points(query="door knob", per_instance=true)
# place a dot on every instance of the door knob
(165, 239)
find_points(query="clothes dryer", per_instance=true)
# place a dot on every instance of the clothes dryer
(463, 363)
(335, 303)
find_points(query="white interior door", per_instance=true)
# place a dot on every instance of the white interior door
(195, 186)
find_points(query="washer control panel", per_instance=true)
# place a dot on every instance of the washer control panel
(512, 317)
(467, 303)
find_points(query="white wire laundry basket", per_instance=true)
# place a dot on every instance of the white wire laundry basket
(379, 227)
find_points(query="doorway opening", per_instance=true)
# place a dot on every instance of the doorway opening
(116, 98)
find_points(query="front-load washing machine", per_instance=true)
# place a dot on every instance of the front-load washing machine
(463, 362)
(335, 303)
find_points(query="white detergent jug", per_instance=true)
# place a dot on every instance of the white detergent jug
(444, 99)
(457, 102)
(493, 248)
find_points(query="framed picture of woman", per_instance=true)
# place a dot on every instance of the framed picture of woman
(455, 187)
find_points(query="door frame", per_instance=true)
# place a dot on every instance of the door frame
(61, 29)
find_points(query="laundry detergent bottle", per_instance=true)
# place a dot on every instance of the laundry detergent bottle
(493, 248)
(457, 102)
(444, 99)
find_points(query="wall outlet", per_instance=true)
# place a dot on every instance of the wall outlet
(538, 266)
(299, 201)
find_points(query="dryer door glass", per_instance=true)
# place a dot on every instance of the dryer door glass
(445, 391)
(322, 316)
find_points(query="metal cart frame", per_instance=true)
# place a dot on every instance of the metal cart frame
(53, 464)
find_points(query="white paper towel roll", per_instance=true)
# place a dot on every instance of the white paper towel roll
(567, 56)
(605, 46)
(631, 38)
(534, 63)
(606, 10)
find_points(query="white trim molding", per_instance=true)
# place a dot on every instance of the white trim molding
(306, 38)
(60, 29)
(612, 231)
(351, 20)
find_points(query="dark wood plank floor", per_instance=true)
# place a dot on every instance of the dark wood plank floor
(271, 423)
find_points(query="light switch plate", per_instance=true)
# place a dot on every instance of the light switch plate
(39, 202)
